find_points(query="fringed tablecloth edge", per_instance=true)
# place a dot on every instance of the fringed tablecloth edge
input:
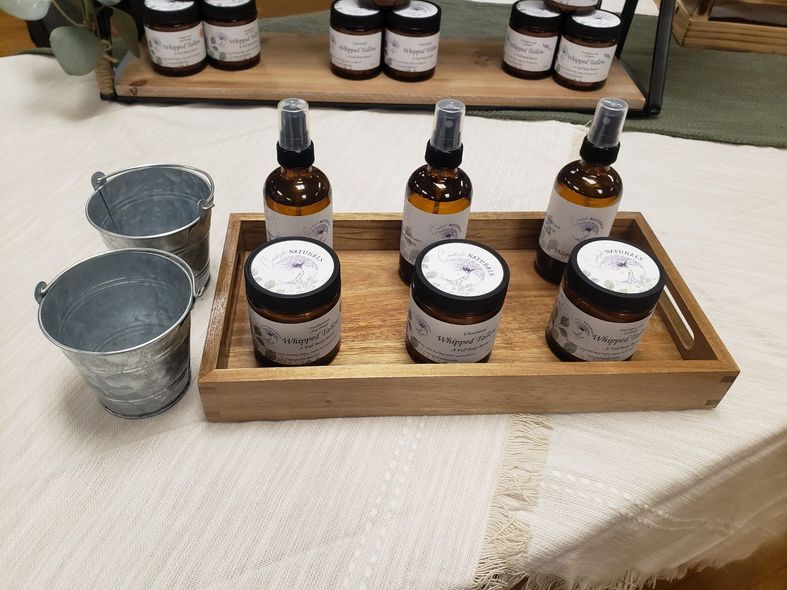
(516, 489)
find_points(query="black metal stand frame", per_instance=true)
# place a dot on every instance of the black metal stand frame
(654, 94)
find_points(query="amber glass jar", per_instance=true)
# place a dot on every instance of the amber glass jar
(606, 298)
(586, 50)
(232, 34)
(573, 6)
(531, 40)
(293, 289)
(412, 37)
(176, 42)
(456, 300)
(356, 40)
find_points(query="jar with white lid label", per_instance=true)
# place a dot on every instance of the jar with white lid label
(232, 34)
(176, 42)
(456, 300)
(531, 40)
(356, 39)
(573, 6)
(412, 37)
(607, 296)
(587, 50)
(293, 291)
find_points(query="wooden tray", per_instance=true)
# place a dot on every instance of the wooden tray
(297, 65)
(677, 366)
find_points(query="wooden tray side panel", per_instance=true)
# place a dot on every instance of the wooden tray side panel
(373, 375)
(467, 69)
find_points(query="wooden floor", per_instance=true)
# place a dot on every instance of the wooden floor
(13, 35)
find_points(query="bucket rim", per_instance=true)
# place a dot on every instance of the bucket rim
(42, 289)
(206, 205)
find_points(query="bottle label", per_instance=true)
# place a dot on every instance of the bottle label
(442, 342)
(317, 225)
(356, 52)
(567, 224)
(591, 339)
(292, 267)
(411, 54)
(532, 54)
(583, 64)
(176, 50)
(296, 344)
(419, 229)
(462, 269)
(233, 43)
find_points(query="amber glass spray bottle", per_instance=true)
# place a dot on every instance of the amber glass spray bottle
(297, 194)
(438, 194)
(586, 193)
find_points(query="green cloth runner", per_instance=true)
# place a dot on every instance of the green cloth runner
(712, 95)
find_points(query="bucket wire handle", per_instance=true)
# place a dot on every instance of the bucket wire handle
(98, 180)
(180, 262)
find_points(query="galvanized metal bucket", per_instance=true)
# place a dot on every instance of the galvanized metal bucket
(161, 206)
(123, 319)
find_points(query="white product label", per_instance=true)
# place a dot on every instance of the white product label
(417, 9)
(169, 5)
(411, 54)
(354, 8)
(577, 3)
(442, 342)
(601, 19)
(419, 229)
(567, 224)
(583, 64)
(617, 266)
(591, 339)
(532, 54)
(462, 269)
(537, 8)
(292, 267)
(232, 43)
(296, 344)
(178, 49)
(317, 225)
(356, 52)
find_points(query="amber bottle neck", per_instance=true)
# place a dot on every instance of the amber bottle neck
(295, 172)
(590, 166)
(434, 170)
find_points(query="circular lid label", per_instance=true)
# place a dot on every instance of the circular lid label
(169, 5)
(354, 8)
(292, 267)
(462, 269)
(598, 19)
(535, 8)
(417, 9)
(618, 267)
(226, 3)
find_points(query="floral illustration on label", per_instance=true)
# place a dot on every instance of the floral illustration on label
(448, 231)
(617, 267)
(462, 269)
(319, 231)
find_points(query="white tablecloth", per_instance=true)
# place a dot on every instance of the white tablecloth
(88, 500)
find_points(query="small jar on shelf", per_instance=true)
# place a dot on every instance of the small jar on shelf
(587, 50)
(531, 40)
(176, 43)
(232, 33)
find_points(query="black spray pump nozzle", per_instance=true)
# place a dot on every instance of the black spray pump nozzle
(602, 143)
(444, 149)
(295, 148)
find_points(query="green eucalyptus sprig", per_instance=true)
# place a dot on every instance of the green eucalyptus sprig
(78, 46)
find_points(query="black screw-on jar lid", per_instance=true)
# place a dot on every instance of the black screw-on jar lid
(599, 25)
(170, 12)
(615, 274)
(229, 9)
(535, 14)
(356, 14)
(417, 16)
(461, 277)
(292, 275)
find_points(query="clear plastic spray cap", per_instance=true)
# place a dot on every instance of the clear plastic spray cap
(608, 122)
(294, 124)
(449, 115)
